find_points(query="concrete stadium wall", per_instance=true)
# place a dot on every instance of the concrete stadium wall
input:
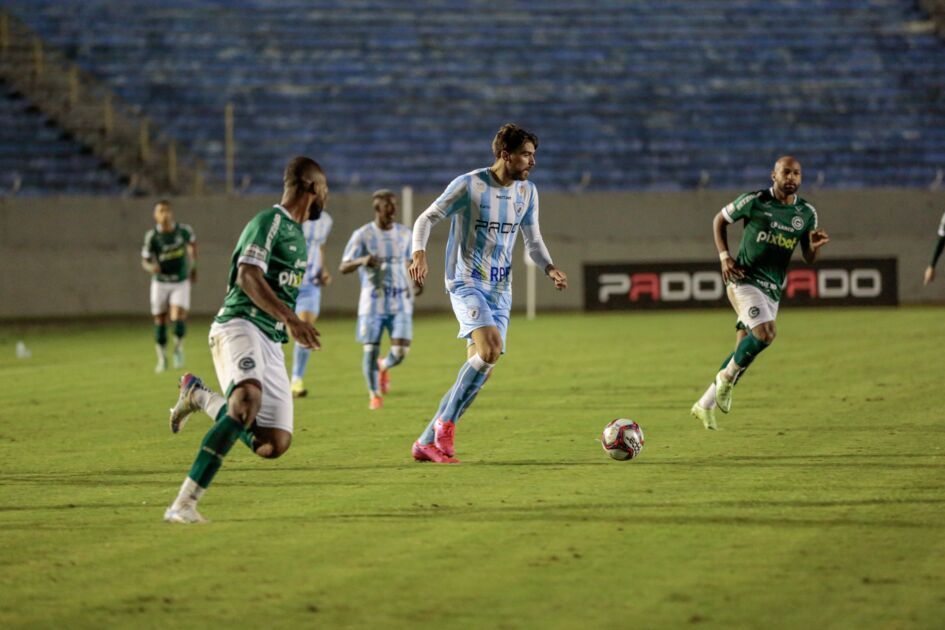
(78, 256)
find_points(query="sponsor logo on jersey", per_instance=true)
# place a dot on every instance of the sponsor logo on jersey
(777, 239)
(290, 279)
(777, 225)
(255, 251)
(499, 227)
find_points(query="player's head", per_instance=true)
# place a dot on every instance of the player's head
(516, 148)
(385, 207)
(163, 215)
(305, 180)
(786, 175)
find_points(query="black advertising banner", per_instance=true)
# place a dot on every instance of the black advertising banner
(667, 285)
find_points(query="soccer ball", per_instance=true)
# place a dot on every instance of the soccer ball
(622, 439)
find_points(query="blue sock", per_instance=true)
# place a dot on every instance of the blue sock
(369, 366)
(455, 402)
(299, 360)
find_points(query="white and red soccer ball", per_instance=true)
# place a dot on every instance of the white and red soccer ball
(622, 439)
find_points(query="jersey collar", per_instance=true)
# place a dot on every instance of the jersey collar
(284, 211)
(796, 198)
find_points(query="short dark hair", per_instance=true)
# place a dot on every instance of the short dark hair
(163, 202)
(300, 174)
(510, 138)
(383, 193)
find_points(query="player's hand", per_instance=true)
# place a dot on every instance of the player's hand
(929, 275)
(418, 268)
(417, 289)
(558, 277)
(371, 261)
(155, 268)
(193, 276)
(731, 271)
(304, 334)
(818, 238)
(324, 278)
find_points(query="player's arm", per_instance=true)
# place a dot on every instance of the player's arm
(811, 244)
(730, 269)
(252, 280)
(350, 264)
(939, 246)
(150, 265)
(192, 257)
(447, 204)
(324, 277)
(537, 251)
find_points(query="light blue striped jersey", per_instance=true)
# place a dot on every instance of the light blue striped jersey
(485, 220)
(316, 233)
(386, 289)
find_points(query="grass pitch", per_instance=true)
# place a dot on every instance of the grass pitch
(820, 503)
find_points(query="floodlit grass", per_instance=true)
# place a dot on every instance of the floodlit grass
(820, 503)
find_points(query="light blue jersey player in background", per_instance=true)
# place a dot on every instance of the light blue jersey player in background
(308, 305)
(380, 251)
(487, 209)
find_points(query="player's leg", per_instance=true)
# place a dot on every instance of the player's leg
(757, 311)
(240, 362)
(307, 308)
(273, 428)
(180, 304)
(159, 311)
(704, 408)
(401, 334)
(369, 333)
(476, 320)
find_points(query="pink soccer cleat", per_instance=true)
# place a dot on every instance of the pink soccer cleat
(444, 432)
(430, 453)
(376, 403)
(383, 377)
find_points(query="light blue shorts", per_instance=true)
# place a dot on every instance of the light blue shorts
(474, 310)
(309, 300)
(371, 327)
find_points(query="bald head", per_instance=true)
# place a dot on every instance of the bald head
(786, 177)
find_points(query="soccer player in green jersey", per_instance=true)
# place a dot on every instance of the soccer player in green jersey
(170, 256)
(939, 246)
(775, 220)
(246, 338)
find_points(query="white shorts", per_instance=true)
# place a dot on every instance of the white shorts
(752, 305)
(241, 352)
(167, 294)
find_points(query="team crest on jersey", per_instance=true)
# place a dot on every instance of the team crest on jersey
(753, 312)
(479, 185)
(246, 364)
(797, 222)
(473, 313)
(519, 207)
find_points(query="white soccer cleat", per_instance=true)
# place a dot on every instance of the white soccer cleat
(185, 405)
(185, 514)
(707, 416)
(161, 366)
(723, 392)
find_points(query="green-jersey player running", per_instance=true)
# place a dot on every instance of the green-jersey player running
(246, 338)
(775, 220)
(929, 275)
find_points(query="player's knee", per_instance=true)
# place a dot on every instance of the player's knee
(274, 446)
(765, 334)
(490, 352)
(400, 351)
(244, 402)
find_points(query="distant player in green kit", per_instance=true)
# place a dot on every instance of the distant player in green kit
(776, 220)
(246, 338)
(170, 256)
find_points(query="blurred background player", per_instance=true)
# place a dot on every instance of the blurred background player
(308, 304)
(776, 220)
(246, 338)
(170, 256)
(380, 251)
(487, 207)
(939, 246)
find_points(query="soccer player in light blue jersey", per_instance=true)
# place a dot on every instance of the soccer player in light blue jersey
(487, 208)
(380, 251)
(308, 304)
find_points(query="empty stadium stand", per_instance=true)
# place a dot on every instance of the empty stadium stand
(652, 94)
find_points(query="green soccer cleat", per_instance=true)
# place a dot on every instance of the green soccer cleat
(723, 392)
(707, 416)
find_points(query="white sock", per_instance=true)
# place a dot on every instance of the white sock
(731, 370)
(162, 358)
(208, 400)
(708, 398)
(178, 344)
(480, 365)
(190, 492)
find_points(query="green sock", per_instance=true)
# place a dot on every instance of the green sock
(160, 334)
(247, 436)
(180, 327)
(215, 445)
(747, 350)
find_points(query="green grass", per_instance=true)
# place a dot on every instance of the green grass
(821, 503)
